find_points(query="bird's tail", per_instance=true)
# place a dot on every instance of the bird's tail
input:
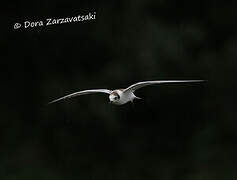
(137, 97)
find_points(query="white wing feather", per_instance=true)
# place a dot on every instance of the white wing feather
(138, 85)
(92, 91)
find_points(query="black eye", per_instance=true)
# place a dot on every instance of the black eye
(117, 97)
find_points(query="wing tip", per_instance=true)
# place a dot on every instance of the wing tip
(51, 102)
(202, 80)
(54, 101)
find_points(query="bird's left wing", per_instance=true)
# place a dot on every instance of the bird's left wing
(138, 85)
(79, 93)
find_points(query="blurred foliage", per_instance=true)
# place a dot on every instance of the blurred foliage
(175, 132)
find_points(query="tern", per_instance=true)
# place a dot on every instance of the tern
(123, 96)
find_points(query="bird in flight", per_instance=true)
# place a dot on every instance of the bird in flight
(123, 96)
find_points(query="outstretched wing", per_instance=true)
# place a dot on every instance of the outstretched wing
(92, 91)
(138, 85)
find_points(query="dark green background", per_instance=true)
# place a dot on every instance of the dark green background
(181, 131)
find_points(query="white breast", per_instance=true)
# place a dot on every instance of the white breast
(124, 97)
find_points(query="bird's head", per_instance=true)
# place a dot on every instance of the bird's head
(114, 97)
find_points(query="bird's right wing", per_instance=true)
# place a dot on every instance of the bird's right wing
(79, 93)
(139, 85)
